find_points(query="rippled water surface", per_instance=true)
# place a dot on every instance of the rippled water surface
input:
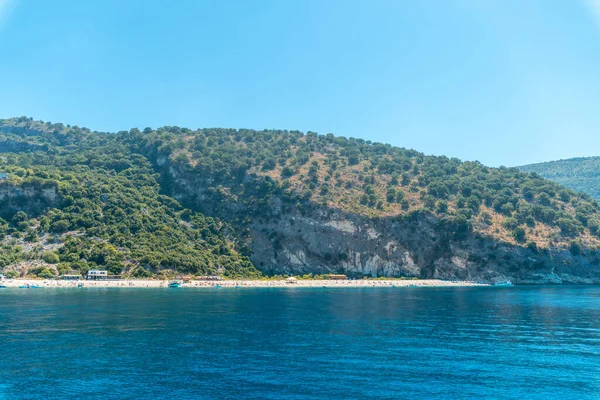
(523, 342)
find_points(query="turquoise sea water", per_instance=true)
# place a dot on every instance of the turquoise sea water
(522, 342)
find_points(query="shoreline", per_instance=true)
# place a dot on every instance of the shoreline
(238, 283)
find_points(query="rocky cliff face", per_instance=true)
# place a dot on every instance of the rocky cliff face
(30, 198)
(336, 242)
(286, 240)
(11, 144)
(15, 146)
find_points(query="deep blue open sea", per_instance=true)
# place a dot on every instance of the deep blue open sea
(492, 343)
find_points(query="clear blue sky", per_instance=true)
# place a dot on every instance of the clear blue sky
(505, 82)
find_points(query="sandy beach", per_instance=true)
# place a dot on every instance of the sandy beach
(140, 283)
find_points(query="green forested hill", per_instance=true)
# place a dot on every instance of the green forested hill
(103, 207)
(118, 202)
(580, 174)
(376, 180)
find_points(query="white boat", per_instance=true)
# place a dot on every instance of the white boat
(503, 284)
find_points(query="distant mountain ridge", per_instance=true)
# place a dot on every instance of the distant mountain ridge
(581, 174)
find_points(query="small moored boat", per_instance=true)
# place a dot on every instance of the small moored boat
(174, 284)
(503, 284)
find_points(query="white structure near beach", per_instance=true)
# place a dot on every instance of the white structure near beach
(71, 277)
(97, 274)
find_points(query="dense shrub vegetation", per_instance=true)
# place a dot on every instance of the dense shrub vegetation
(580, 174)
(377, 180)
(109, 212)
(112, 206)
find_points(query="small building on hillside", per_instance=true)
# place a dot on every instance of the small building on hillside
(337, 277)
(97, 275)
